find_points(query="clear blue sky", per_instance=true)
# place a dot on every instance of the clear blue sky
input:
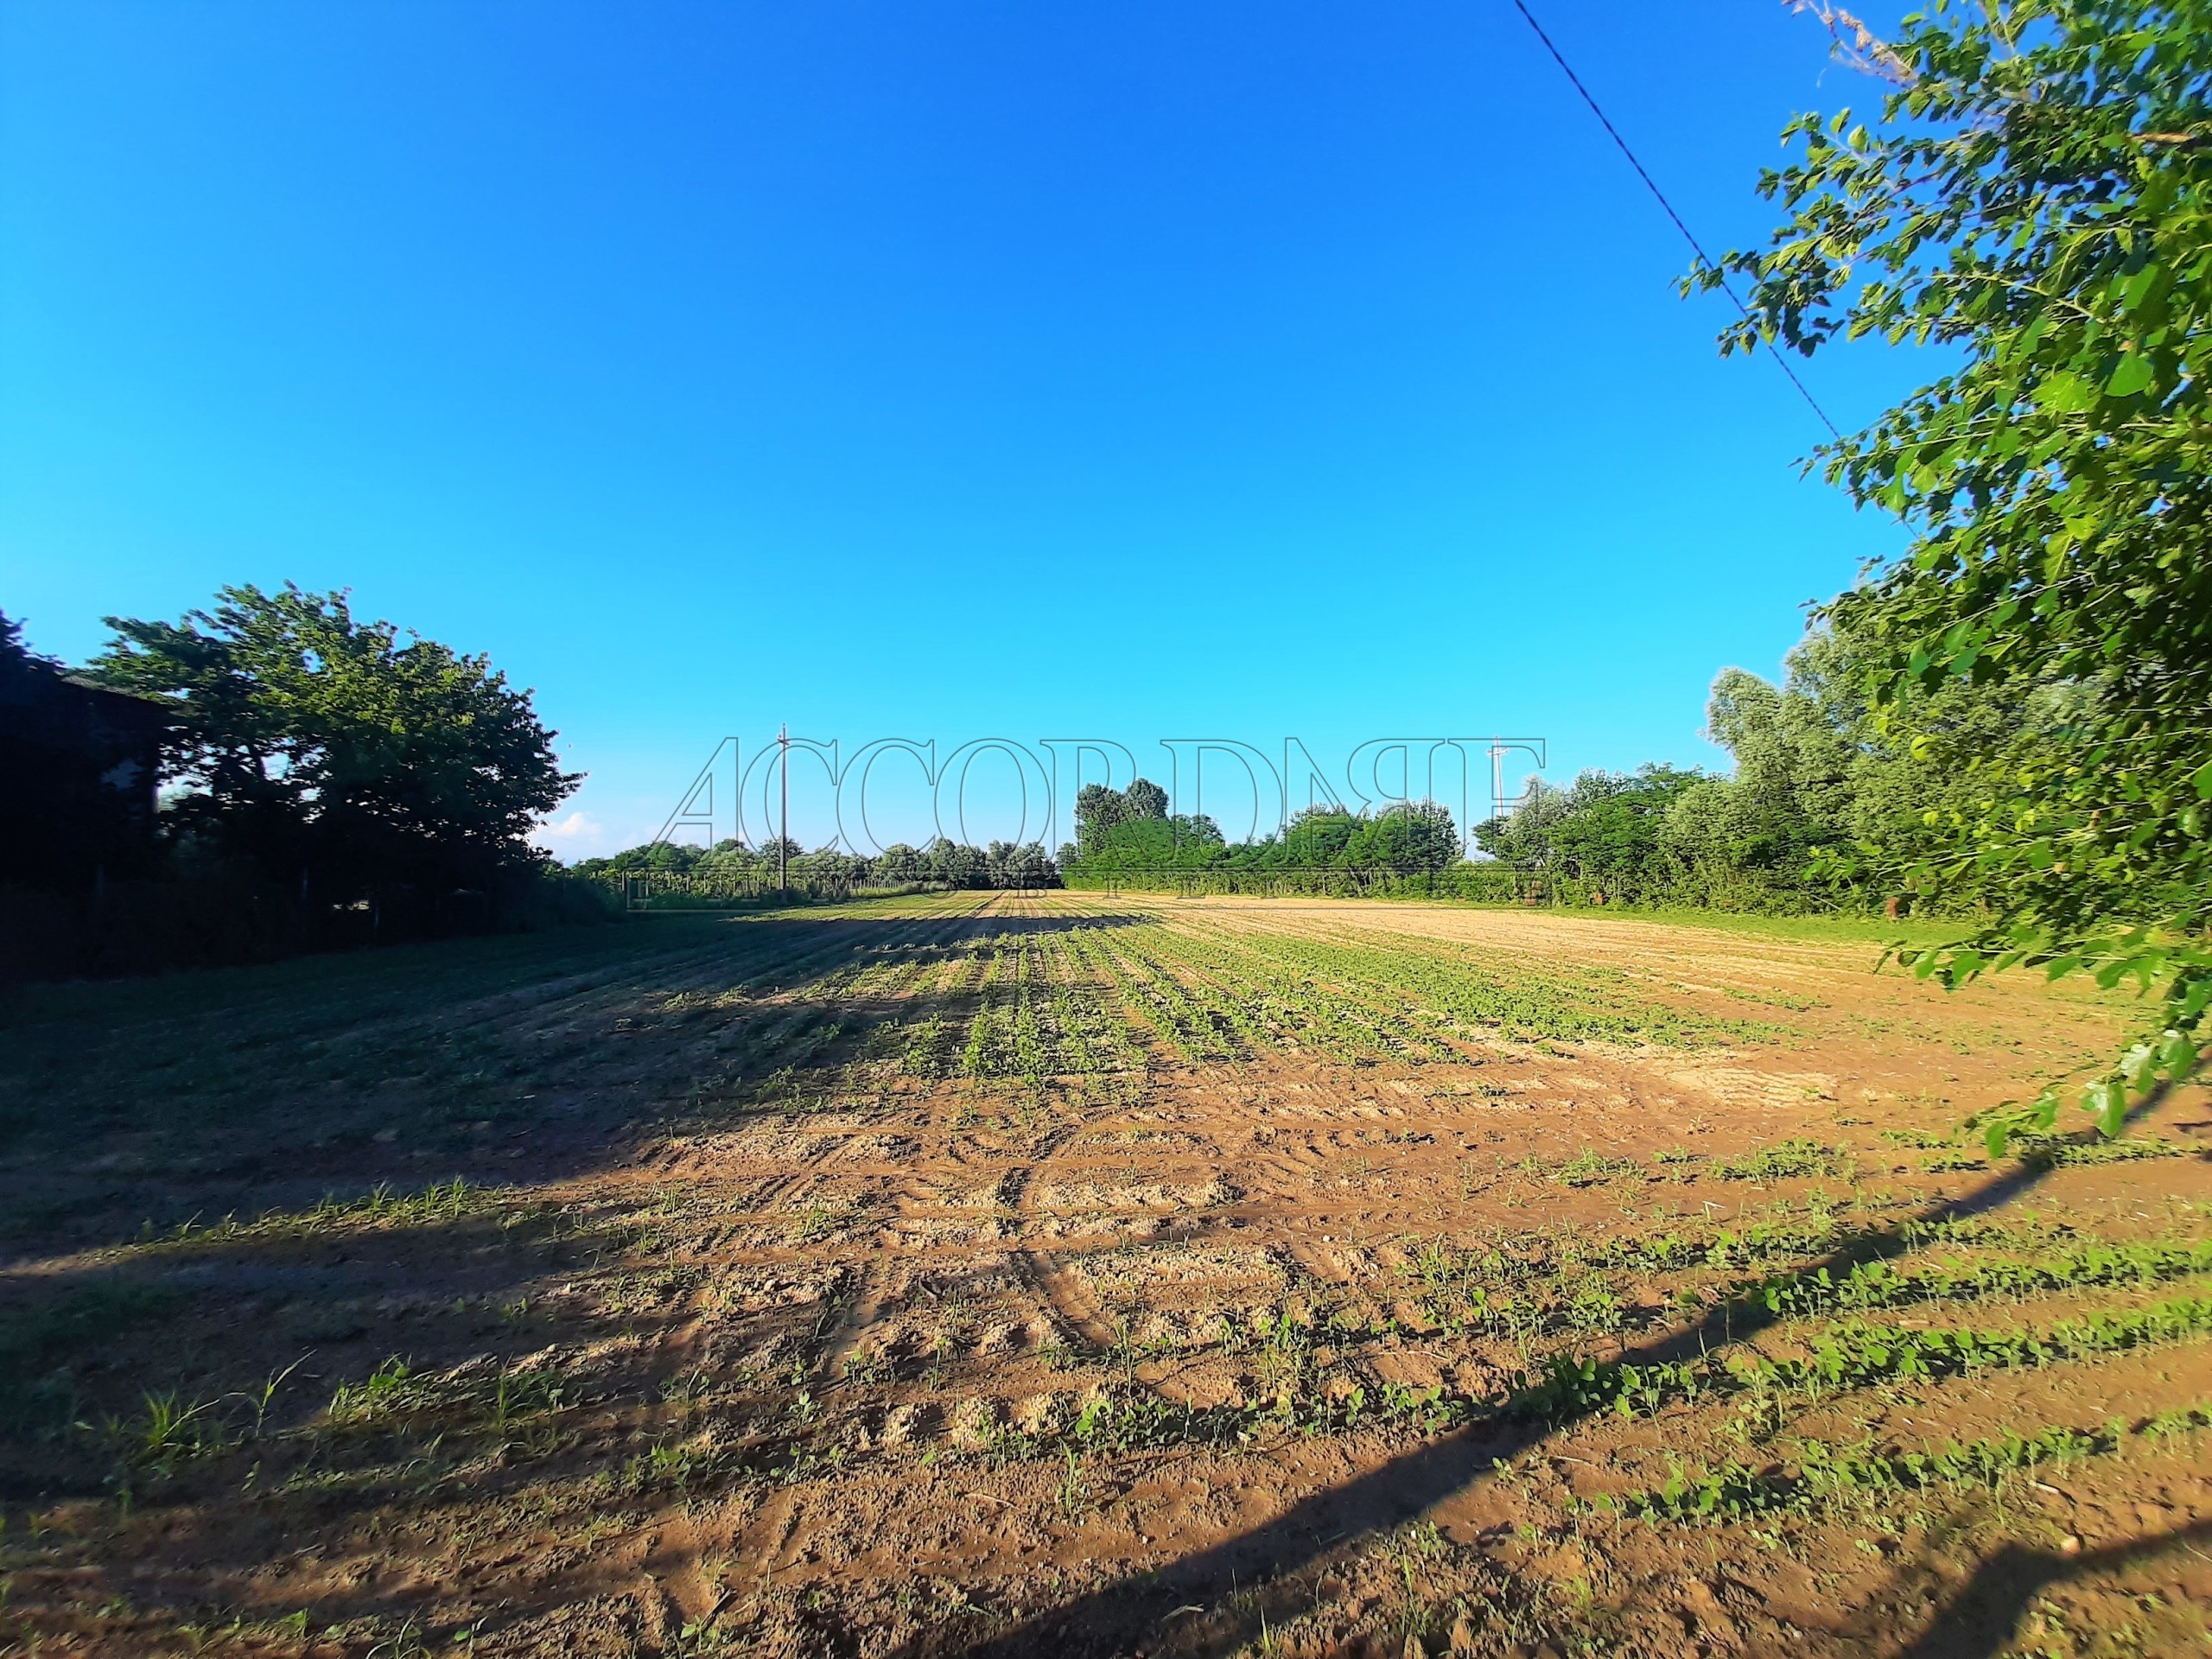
(1141, 371)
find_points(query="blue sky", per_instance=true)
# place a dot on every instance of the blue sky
(1136, 372)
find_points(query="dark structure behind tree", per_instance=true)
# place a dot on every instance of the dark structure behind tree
(82, 770)
(326, 782)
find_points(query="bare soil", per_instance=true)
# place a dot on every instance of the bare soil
(1092, 1274)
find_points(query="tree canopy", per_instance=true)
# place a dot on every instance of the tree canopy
(315, 742)
(944, 862)
(2036, 194)
(1129, 831)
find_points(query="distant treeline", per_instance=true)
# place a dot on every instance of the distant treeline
(731, 869)
(1128, 838)
(1821, 778)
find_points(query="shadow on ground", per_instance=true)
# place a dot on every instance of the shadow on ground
(140, 1104)
(1983, 1618)
(1332, 1524)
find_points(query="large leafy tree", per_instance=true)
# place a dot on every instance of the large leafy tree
(1412, 835)
(1145, 799)
(1098, 809)
(1318, 835)
(2037, 196)
(899, 862)
(1614, 828)
(316, 742)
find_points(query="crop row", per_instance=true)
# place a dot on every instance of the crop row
(1299, 1005)
(1873, 1285)
(1829, 1476)
(1855, 1356)
(1533, 1283)
(1482, 1000)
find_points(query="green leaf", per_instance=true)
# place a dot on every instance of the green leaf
(2131, 375)
(2066, 394)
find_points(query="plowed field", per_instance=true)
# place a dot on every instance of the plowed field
(1079, 1274)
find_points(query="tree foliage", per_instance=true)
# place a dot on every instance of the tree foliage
(315, 742)
(17, 660)
(1119, 832)
(1146, 799)
(1818, 773)
(2037, 196)
(1099, 809)
(732, 864)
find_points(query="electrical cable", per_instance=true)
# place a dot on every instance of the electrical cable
(1660, 196)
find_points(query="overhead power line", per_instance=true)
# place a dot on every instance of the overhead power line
(1660, 196)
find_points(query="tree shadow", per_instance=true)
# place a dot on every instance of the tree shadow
(464, 1403)
(1984, 1616)
(150, 1102)
(1400, 1490)
(332, 1192)
(638, 1033)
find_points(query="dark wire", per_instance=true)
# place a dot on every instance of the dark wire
(1660, 196)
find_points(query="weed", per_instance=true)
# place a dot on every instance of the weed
(263, 1397)
(382, 1205)
(1074, 1492)
(1589, 1168)
(165, 1434)
(820, 1219)
(1916, 1138)
(1792, 1160)
(1826, 1477)
(387, 1388)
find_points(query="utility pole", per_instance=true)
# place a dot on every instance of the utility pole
(784, 836)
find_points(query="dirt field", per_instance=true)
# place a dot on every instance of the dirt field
(1080, 1274)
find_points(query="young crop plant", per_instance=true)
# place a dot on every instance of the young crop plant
(1122, 1416)
(390, 1388)
(792, 1043)
(1782, 1240)
(1091, 1035)
(1266, 1004)
(1852, 1355)
(1156, 999)
(1515, 1294)
(1796, 1159)
(1222, 1002)
(1831, 1477)
(984, 1053)
(929, 1048)
(2039, 1151)
(1519, 1005)
(1871, 1284)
